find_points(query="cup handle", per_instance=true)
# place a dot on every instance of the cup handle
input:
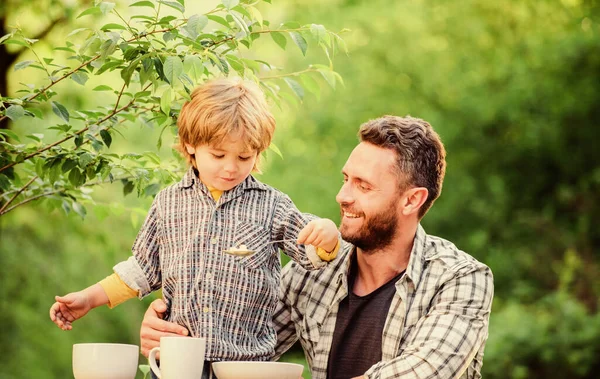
(152, 361)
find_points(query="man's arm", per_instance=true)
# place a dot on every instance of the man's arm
(448, 337)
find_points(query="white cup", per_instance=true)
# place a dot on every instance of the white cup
(105, 360)
(180, 358)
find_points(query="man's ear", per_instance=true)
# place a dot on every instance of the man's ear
(190, 149)
(413, 200)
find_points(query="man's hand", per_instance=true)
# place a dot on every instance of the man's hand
(321, 233)
(69, 308)
(154, 327)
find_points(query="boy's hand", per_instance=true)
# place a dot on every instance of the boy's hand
(69, 308)
(321, 233)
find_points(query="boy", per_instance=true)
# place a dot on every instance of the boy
(217, 206)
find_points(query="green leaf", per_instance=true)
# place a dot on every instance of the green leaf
(219, 20)
(4, 182)
(194, 25)
(60, 110)
(68, 165)
(106, 137)
(78, 140)
(142, 4)
(311, 86)
(5, 37)
(127, 72)
(255, 14)
(76, 177)
(145, 369)
(279, 39)
(230, 3)
(172, 69)
(10, 134)
(128, 187)
(15, 112)
(80, 77)
(320, 33)
(92, 10)
(240, 23)
(300, 41)
(165, 101)
(113, 26)
(16, 42)
(66, 206)
(102, 87)
(152, 189)
(22, 65)
(85, 159)
(192, 65)
(174, 5)
(275, 149)
(297, 88)
(106, 7)
(78, 208)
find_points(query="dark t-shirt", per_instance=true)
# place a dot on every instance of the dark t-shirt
(356, 344)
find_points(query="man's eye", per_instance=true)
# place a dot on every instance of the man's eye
(363, 187)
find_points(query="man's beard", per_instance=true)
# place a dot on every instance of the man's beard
(377, 231)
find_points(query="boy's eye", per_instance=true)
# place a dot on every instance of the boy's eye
(218, 156)
(244, 158)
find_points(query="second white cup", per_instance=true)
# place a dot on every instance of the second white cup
(180, 358)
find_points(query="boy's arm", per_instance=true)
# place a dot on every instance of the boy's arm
(142, 272)
(117, 290)
(75, 305)
(288, 223)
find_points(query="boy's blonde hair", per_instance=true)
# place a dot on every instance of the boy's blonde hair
(225, 107)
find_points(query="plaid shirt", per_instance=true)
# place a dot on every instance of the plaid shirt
(230, 300)
(436, 327)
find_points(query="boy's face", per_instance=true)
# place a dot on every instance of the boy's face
(226, 165)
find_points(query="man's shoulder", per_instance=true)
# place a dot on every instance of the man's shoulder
(439, 253)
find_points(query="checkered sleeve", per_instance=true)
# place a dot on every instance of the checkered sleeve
(282, 319)
(447, 338)
(141, 272)
(288, 221)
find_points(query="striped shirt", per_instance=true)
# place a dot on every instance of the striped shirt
(437, 323)
(229, 300)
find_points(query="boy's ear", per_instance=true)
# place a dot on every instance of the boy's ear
(190, 149)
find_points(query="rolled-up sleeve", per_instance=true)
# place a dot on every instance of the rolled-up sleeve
(142, 272)
(288, 221)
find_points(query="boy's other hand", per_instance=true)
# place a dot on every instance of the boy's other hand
(69, 308)
(154, 327)
(321, 233)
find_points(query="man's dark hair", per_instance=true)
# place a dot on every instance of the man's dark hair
(421, 157)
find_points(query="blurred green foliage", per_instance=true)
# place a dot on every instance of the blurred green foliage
(512, 87)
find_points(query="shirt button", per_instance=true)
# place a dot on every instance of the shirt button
(214, 240)
(208, 275)
(206, 309)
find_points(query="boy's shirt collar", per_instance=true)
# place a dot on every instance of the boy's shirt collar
(191, 178)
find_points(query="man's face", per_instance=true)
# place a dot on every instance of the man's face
(369, 198)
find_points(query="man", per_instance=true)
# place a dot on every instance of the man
(397, 302)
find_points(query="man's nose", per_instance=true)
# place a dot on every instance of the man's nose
(344, 195)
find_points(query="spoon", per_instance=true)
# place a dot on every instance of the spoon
(242, 251)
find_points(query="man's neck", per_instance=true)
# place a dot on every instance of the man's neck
(378, 267)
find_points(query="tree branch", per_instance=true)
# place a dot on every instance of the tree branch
(17, 194)
(38, 152)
